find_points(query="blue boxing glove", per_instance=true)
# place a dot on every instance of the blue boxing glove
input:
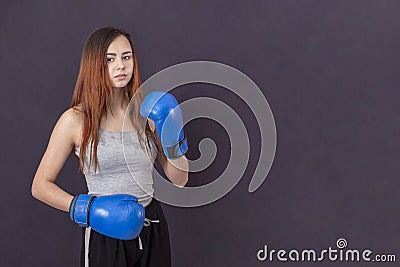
(117, 216)
(164, 110)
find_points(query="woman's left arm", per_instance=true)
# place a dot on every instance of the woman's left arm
(159, 106)
(175, 169)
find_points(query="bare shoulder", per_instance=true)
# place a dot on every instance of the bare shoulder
(70, 123)
(71, 117)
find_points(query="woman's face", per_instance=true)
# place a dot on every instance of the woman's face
(120, 62)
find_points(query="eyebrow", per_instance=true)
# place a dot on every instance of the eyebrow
(114, 54)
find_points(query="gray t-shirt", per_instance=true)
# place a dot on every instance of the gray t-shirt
(123, 167)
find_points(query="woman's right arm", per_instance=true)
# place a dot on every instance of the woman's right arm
(61, 143)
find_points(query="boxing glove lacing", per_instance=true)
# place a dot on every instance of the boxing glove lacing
(75, 200)
(146, 223)
(173, 150)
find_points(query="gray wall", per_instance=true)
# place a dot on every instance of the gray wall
(329, 70)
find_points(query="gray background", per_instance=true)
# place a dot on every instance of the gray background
(329, 70)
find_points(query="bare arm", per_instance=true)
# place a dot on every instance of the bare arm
(175, 169)
(61, 142)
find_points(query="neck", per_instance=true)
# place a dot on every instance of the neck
(120, 100)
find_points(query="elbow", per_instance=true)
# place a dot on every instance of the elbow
(178, 179)
(186, 180)
(34, 190)
(183, 181)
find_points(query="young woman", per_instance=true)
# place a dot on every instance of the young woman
(92, 129)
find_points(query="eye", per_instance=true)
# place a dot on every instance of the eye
(127, 57)
(110, 59)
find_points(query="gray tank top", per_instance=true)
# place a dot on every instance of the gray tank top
(123, 167)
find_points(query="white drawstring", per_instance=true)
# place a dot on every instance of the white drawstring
(146, 223)
(87, 239)
(140, 244)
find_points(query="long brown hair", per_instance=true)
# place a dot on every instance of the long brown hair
(93, 93)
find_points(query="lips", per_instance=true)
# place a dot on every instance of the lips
(120, 77)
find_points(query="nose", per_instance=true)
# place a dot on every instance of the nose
(120, 64)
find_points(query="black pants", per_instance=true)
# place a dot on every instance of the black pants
(152, 249)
